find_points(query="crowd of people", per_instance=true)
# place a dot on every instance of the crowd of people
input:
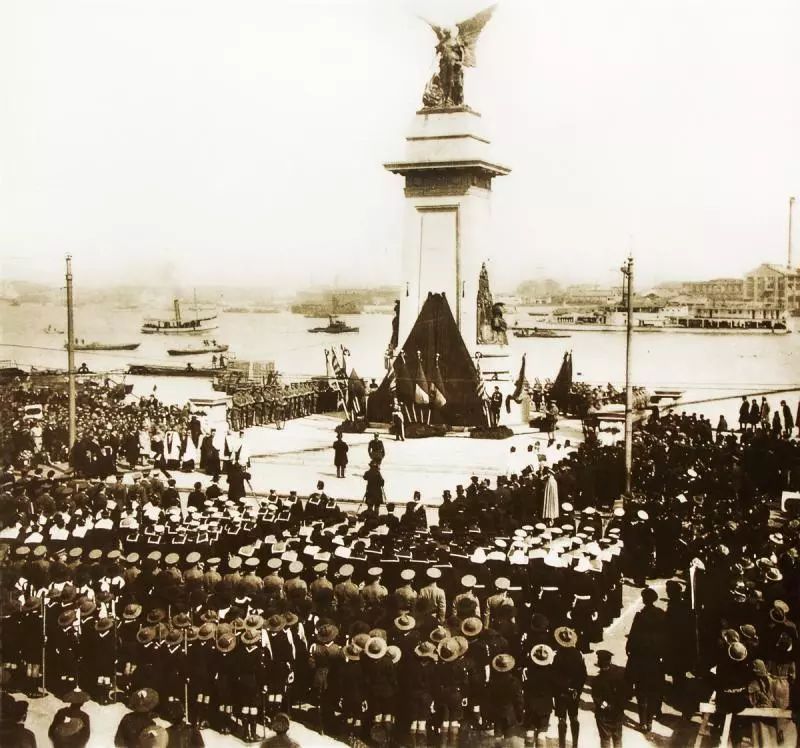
(224, 609)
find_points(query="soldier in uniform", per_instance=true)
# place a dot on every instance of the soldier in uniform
(610, 692)
(434, 593)
(569, 671)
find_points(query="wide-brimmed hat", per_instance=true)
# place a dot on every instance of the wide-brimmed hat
(143, 700)
(565, 636)
(541, 654)
(502, 663)
(404, 622)
(748, 631)
(471, 626)
(360, 640)
(394, 653)
(67, 618)
(104, 624)
(275, 623)
(376, 648)
(131, 611)
(439, 634)
(326, 632)
(351, 652)
(254, 621)
(773, 574)
(192, 633)
(75, 696)
(737, 652)
(174, 636)
(145, 635)
(775, 614)
(206, 631)
(426, 649)
(31, 604)
(226, 642)
(251, 636)
(156, 615)
(181, 621)
(449, 650)
(380, 633)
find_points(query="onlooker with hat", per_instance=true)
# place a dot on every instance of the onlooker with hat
(645, 649)
(142, 703)
(325, 654)
(179, 733)
(340, 449)
(421, 678)
(452, 691)
(12, 725)
(610, 693)
(70, 726)
(380, 685)
(569, 671)
(505, 705)
(281, 739)
(539, 688)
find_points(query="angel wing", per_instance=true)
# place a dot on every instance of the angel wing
(438, 30)
(469, 31)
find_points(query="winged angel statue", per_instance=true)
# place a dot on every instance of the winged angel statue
(456, 50)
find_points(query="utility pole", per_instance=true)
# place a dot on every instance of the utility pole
(71, 357)
(627, 273)
(789, 258)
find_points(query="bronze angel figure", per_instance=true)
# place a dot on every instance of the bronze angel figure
(456, 50)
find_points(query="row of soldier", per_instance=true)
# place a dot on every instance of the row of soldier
(260, 406)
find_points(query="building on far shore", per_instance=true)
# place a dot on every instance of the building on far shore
(773, 284)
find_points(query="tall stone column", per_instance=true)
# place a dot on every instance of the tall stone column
(448, 174)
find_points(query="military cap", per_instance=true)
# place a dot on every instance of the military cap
(296, 567)
(39, 551)
(193, 557)
(154, 555)
(321, 568)
(346, 570)
(433, 572)
(22, 550)
(374, 571)
(234, 563)
(252, 562)
(75, 552)
(274, 563)
(468, 581)
(171, 559)
(213, 561)
(407, 575)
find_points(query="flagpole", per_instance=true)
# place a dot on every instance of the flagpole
(627, 271)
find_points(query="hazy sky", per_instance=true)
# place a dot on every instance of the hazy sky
(238, 140)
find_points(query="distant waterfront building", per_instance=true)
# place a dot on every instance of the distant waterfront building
(773, 284)
(716, 288)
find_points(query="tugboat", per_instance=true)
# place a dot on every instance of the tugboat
(178, 325)
(52, 330)
(334, 326)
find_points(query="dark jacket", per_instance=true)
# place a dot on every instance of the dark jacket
(610, 692)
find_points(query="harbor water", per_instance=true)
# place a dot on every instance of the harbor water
(703, 366)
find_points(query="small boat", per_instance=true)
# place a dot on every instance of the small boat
(51, 330)
(334, 326)
(211, 348)
(158, 370)
(535, 332)
(104, 346)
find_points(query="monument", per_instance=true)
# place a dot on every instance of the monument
(448, 172)
(448, 321)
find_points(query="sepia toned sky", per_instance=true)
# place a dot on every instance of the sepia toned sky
(242, 141)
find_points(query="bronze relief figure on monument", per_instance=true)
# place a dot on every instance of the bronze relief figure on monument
(492, 328)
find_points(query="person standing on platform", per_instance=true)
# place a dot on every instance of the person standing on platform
(744, 414)
(495, 404)
(398, 421)
(550, 502)
(340, 450)
(552, 421)
(788, 420)
(376, 450)
(610, 694)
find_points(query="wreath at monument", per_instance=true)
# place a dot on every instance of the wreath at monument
(424, 430)
(350, 426)
(490, 432)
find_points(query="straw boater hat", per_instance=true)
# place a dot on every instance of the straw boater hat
(439, 634)
(566, 636)
(67, 618)
(541, 654)
(174, 636)
(254, 621)
(376, 648)
(393, 652)
(156, 615)
(144, 700)
(773, 574)
(448, 650)
(145, 635)
(181, 621)
(503, 663)
(206, 631)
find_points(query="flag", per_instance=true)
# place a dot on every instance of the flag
(480, 391)
(404, 383)
(563, 383)
(438, 397)
(338, 369)
(518, 387)
(345, 354)
(355, 392)
(421, 389)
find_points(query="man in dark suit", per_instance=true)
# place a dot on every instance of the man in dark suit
(610, 692)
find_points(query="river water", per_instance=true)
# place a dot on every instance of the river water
(702, 365)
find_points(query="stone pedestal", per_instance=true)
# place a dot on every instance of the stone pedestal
(448, 174)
